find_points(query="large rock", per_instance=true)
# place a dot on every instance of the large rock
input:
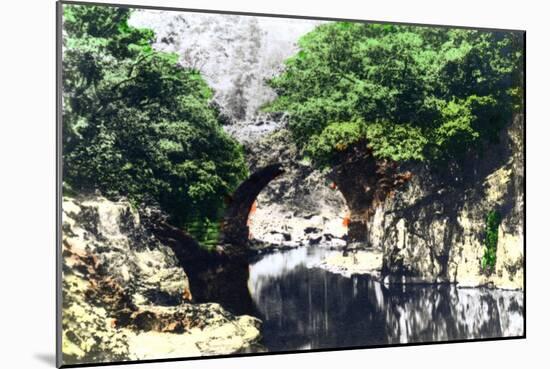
(125, 296)
(433, 230)
(367, 261)
(111, 234)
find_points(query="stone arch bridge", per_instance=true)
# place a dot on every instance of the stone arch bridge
(362, 185)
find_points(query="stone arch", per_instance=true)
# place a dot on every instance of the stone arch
(363, 181)
(234, 227)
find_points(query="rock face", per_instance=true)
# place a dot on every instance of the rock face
(125, 296)
(433, 229)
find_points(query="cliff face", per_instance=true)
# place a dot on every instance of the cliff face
(126, 297)
(433, 228)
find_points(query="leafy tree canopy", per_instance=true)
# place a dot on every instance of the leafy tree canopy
(137, 124)
(408, 92)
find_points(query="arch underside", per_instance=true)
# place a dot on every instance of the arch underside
(235, 228)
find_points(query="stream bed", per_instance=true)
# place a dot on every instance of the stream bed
(305, 307)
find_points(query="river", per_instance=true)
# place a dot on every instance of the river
(305, 307)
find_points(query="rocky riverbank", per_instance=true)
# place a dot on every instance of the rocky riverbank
(126, 297)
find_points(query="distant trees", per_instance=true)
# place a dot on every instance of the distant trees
(235, 54)
(246, 61)
(406, 92)
(225, 49)
(137, 124)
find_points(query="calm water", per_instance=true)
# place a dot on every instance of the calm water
(304, 307)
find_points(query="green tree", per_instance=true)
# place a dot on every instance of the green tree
(407, 92)
(489, 259)
(137, 124)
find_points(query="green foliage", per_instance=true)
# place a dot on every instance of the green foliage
(396, 141)
(489, 258)
(205, 231)
(335, 136)
(139, 125)
(411, 93)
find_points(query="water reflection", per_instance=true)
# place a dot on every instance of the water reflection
(304, 307)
